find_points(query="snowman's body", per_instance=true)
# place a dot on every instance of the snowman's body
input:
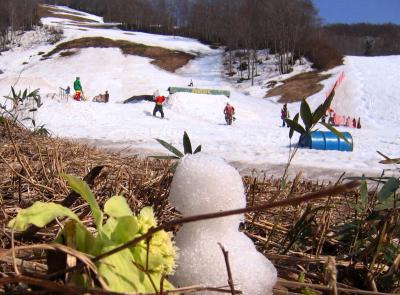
(205, 184)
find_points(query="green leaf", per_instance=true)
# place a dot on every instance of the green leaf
(296, 126)
(171, 148)
(120, 273)
(13, 93)
(322, 108)
(122, 229)
(75, 235)
(388, 204)
(305, 113)
(34, 93)
(82, 188)
(117, 207)
(197, 150)
(363, 193)
(336, 132)
(388, 160)
(318, 113)
(328, 101)
(295, 119)
(40, 214)
(383, 155)
(123, 273)
(187, 146)
(388, 189)
(24, 94)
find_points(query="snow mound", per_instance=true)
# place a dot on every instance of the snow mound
(199, 106)
(204, 184)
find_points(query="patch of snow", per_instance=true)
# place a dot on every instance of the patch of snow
(198, 106)
(73, 12)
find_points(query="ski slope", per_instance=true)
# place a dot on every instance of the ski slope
(370, 90)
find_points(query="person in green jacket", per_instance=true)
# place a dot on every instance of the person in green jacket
(78, 89)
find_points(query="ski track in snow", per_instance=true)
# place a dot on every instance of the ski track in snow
(370, 90)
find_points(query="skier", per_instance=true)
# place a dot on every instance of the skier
(331, 114)
(78, 89)
(106, 97)
(347, 124)
(67, 90)
(191, 83)
(284, 114)
(229, 111)
(159, 100)
(359, 123)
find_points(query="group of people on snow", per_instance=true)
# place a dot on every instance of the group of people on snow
(337, 120)
(229, 110)
(78, 93)
(333, 118)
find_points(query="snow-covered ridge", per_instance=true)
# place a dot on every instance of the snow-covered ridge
(370, 90)
(64, 10)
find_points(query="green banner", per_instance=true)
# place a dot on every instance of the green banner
(173, 90)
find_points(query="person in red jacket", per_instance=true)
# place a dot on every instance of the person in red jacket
(159, 100)
(229, 111)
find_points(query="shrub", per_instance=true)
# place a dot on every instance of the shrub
(243, 66)
(322, 55)
(56, 33)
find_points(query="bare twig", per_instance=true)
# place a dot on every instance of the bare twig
(228, 269)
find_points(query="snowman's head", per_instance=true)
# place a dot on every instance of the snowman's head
(204, 184)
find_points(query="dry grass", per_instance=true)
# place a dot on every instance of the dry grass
(297, 87)
(98, 26)
(164, 58)
(31, 167)
(67, 53)
(46, 11)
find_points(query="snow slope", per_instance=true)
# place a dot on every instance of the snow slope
(256, 140)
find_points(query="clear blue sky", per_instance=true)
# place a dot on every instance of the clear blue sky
(356, 11)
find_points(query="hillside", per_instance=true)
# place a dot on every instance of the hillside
(256, 139)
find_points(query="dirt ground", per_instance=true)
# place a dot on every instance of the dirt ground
(298, 87)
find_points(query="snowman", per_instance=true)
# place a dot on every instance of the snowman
(205, 184)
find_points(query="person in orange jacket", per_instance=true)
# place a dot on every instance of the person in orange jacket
(229, 111)
(159, 100)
